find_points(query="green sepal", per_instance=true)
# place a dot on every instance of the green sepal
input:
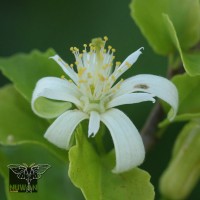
(49, 108)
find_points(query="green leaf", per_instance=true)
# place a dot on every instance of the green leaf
(92, 174)
(189, 98)
(191, 61)
(18, 124)
(183, 171)
(148, 16)
(24, 70)
(53, 184)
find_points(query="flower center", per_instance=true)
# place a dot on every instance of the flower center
(92, 105)
(95, 75)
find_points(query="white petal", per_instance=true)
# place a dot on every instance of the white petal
(66, 68)
(61, 130)
(55, 89)
(130, 60)
(129, 148)
(155, 85)
(130, 99)
(94, 123)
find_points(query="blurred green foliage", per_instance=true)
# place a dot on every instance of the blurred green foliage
(27, 25)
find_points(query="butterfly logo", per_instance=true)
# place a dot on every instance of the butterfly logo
(29, 173)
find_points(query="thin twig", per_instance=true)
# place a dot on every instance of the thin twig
(150, 127)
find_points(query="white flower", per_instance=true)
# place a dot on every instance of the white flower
(94, 89)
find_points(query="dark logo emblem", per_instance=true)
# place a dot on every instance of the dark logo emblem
(23, 178)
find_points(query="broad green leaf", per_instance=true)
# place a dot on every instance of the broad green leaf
(189, 97)
(53, 184)
(183, 171)
(18, 124)
(191, 61)
(24, 70)
(2, 192)
(92, 174)
(185, 15)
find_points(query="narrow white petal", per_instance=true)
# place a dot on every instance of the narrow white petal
(155, 85)
(130, 99)
(55, 89)
(94, 123)
(131, 59)
(61, 130)
(129, 148)
(66, 68)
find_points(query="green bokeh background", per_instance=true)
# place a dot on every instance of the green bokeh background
(27, 25)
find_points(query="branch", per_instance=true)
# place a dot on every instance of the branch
(150, 127)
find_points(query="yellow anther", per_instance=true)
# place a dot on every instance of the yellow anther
(106, 66)
(114, 91)
(105, 38)
(59, 59)
(90, 44)
(113, 78)
(71, 65)
(76, 63)
(118, 63)
(128, 64)
(113, 50)
(80, 55)
(109, 47)
(101, 77)
(85, 45)
(81, 71)
(76, 49)
(89, 75)
(62, 77)
(70, 80)
(82, 81)
(71, 48)
(84, 51)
